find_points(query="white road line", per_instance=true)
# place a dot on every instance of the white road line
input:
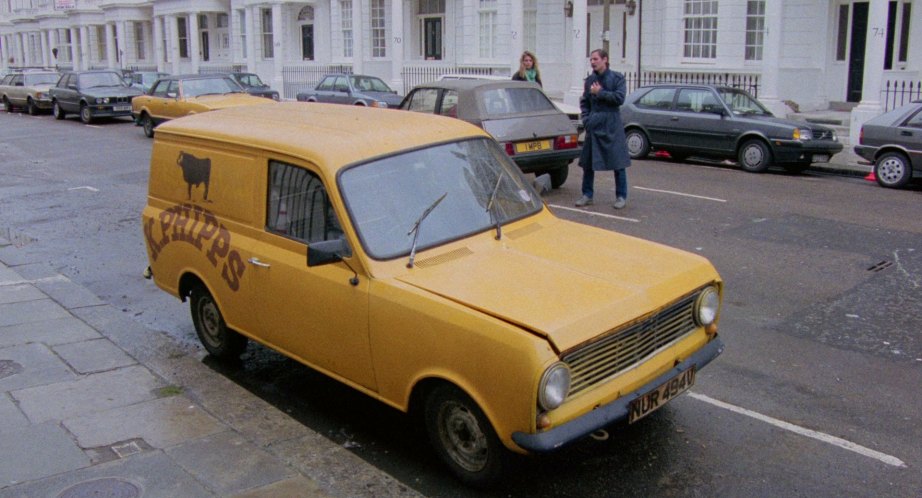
(593, 213)
(87, 187)
(680, 193)
(819, 436)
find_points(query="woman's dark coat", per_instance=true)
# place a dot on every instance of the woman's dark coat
(604, 148)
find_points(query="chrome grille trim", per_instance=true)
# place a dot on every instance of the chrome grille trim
(621, 349)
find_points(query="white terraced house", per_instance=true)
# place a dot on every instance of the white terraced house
(806, 54)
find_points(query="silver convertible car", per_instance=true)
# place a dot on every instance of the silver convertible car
(893, 142)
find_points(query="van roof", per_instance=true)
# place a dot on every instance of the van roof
(329, 135)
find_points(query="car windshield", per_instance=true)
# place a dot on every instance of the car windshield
(387, 196)
(741, 103)
(205, 86)
(91, 80)
(502, 101)
(41, 79)
(369, 84)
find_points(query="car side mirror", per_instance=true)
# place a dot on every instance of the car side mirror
(327, 251)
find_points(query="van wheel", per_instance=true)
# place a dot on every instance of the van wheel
(754, 156)
(57, 111)
(30, 107)
(220, 341)
(463, 437)
(559, 176)
(148, 125)
(86, 115)
(892, 170)
(638, 145)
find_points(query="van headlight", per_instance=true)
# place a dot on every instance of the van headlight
(554, 387)
(707, 306)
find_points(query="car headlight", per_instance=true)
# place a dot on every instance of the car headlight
(102, 100)
(382, 105)
(707, 306)
(41, 96)
(803, 134)
(554, 387)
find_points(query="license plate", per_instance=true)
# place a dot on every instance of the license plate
(648, 403)
(121, 108)
(821, 158)
(533, 146)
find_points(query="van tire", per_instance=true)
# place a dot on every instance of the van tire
(148, 124)
(86, 114)
(463, 437)
(57, 110)
(638, 145)
(220, 341)
(755, 156)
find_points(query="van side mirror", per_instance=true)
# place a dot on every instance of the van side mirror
(327, 251)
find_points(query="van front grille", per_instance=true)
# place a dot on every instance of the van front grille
(622, 349)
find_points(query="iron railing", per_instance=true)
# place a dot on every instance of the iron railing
(897, 93)
(742, 81)
(303, 77)
(413, 75)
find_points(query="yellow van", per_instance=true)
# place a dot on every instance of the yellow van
(405, 255)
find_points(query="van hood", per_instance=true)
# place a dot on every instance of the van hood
(569, 284)
(228, 100)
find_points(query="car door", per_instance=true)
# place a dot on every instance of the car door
(17, 91)
(158, 103)
(910, 135)
(314, 313)
(700, 123)
(653, 111)
(340, 93)
(67, 94)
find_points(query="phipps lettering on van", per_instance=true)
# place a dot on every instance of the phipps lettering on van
(191, 224)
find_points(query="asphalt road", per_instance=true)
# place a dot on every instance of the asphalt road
(817, 393)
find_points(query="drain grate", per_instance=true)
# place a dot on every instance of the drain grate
(108, 487)
(883, 265)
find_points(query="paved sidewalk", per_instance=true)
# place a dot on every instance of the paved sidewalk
(94, 404)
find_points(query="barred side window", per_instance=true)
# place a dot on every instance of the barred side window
(755, 29)
(298, 205)
(700, 29)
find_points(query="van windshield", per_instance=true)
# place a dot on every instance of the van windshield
(386, 197)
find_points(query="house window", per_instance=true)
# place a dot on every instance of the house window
(755, 29)
(897, 31)
(842, 33)
(268, 44)
(378, 40)
(101, 42)
(904, 32)
(139, 48)
(488, 28)
(345, 7)
(183, 36)
(700, 29)
(221, 21)
(530, 22)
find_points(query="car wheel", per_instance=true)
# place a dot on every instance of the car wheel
(31, 108)
(797, 167)
(86, 115)
(220, 341)
(7, 105)
(638, 145)
(559, 175)
(57, 111)
(148, 125)
(892, 170)
(754, 156)
(463, 437)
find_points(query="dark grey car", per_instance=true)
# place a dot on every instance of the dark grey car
(722, 123)
(893, 142)
(533, 131)
(92, 94)
(352, 89)
(255, 86)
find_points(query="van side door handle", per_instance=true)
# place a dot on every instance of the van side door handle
(256, 262)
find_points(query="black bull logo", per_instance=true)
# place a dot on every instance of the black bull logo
(195, 171)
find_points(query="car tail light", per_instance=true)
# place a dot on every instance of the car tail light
(566, 142)
(510, 149)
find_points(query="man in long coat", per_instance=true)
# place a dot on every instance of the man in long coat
(604, 148)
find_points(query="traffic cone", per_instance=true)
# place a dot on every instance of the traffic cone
(871, 177)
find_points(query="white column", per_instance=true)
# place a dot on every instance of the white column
(252, 22)
(278, 52)
(149, 52)
(874, 51)
(771, 58)
(75, 58)
(579, 65)
(173, 37)
(123, 45)
(24, 59)
(358, 36)
(110, 45)
(233, 32)
(195, 58)
(46, 48)
(51, 39)
(398, 46)
(85, 47)
(517, 36)
(157, 39)
(4, 51)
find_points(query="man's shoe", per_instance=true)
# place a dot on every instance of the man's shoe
(619, 203)
(584, 201)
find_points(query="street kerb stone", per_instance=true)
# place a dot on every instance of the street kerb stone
(93, 356)
(68, 294)
(296, 486)
(30, 311)
(30, 365)
(37, 451)
(93, 393)
(228, 463)
(18, 293)
(161, 423)
(49, 332)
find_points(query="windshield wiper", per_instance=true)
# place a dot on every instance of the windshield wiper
(499, 227)
(415, 229)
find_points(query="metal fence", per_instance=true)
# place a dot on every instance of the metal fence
(742, 81)
(899, 93)
(299, 78)
(221, 68)
(413, 75)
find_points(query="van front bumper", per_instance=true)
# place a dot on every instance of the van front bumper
(613, 412)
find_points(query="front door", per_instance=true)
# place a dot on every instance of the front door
(432, 38)
(856, 51)
(307, 42)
